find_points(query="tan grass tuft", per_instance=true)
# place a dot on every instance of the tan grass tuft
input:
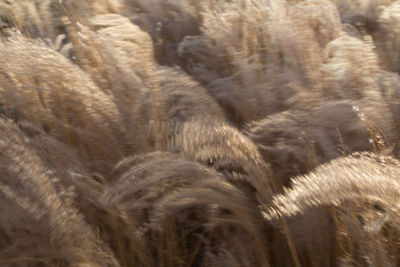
(353, 203)
(39, 223)
(296, 141)
(186, 213)
(40, 85)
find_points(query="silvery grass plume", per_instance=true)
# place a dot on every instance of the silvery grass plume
(298, 140)
(222, 147)
(54, 154)
(40, 225)
(319, 20)
(389, 82)
(88, 8)
(185, 213)
(389, 22)
(253, 63)
(66, 164)
(168, 22)
(37, 19)
(108, 48)
(134, 47)
(43, 19)
(345, 212)
(229, 56)
(182, 99)
(363, 14)
(341, 79)
(119, 57)
(159, 97)
(376, 19)
(40, 85)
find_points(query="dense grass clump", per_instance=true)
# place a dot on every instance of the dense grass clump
(199, 133)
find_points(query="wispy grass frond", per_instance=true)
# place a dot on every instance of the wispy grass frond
(353, 201)
(39, 223)
(40, 85)
(358, 177)
(37, 19)
(222, 147)
(296, 141)
(187, 213)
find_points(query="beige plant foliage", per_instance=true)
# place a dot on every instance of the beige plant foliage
(229, 57)
(185, 212)
(390, 27)
(94, 6)
(54, 154)
(360, 11)
(44, 19)
(199, 133)
(359, 176)
(352, 201)
(168, 22)
(297, 140)
(34, 18)
(342, 79)
(255, 55)
(321, 18)
(390, 87)
(181, 99)
(131, 43)
(45, 88)
(39, 222)
(222, 147)
(107, 48)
